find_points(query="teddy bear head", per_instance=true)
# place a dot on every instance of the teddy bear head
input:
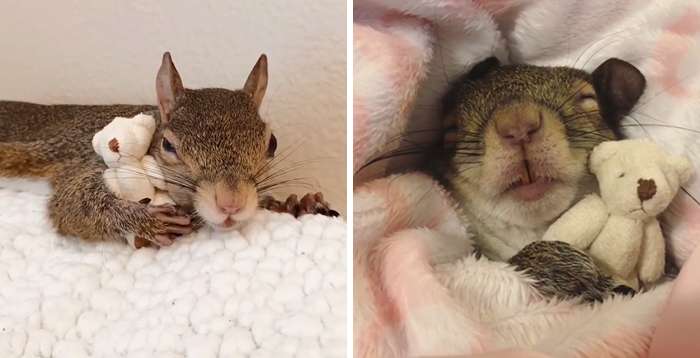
(636, 177)
(124, 139)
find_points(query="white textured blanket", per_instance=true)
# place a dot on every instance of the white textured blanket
(275, 289)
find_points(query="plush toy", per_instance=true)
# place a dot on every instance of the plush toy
(618, 228)
(131, 174)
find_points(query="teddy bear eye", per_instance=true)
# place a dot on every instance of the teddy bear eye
(622, 175)
(168, 147)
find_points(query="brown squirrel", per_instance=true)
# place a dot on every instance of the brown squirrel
(211, 144)
(515, 151)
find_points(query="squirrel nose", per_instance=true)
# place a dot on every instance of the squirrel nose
(229, 201)
(646, 189)
(230, 209)
(518, 128)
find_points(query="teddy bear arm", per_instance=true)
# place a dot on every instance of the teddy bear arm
(581, 224)
(652, 257)
(111, 179)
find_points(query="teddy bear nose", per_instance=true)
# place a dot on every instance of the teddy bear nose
(646, 189)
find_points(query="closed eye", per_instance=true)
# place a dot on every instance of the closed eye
(586, 96)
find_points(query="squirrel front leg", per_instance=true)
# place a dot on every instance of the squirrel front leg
(83, 206)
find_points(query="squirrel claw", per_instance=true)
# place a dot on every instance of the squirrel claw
(171, 222)
(170, 214)
(167, 209)
(291, 205)
(177, 220)
(178, 230)
(309, 204)
(158, 239)
(314, 204)
(163, 240)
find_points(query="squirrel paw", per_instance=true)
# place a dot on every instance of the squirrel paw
(309, 204)
(560, 270)
(168, 223)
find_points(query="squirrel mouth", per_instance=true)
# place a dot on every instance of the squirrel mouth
(529, 186)
(227, 224)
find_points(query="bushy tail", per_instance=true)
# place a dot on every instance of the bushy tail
(31, 159)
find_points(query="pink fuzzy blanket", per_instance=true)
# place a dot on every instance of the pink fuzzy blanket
(406, 51)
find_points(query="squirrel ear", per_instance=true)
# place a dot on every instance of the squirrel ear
(600, 154)
(169, 87)
(455, 92)
(256, 84)
(482, 68)
(618, 86)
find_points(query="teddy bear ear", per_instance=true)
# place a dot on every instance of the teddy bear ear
(683, 167)
(600, 154)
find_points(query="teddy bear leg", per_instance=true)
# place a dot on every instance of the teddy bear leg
(631, 281)
(652, 257)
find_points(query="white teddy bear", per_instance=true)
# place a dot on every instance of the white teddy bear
(618, 228)
(131, 174)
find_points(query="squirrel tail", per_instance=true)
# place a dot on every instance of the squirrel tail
(26, 159)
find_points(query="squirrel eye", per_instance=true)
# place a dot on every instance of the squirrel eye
(168, 147)
(586, 96)
(272, 146)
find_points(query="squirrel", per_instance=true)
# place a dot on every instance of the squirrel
(514, 155)
(211, 144)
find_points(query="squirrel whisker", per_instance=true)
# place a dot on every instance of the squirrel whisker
(389, 155)
(294, 182)
(166, 179)
(278, 172)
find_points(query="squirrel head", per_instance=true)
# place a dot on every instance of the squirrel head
(212, 144)
(518, 137)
